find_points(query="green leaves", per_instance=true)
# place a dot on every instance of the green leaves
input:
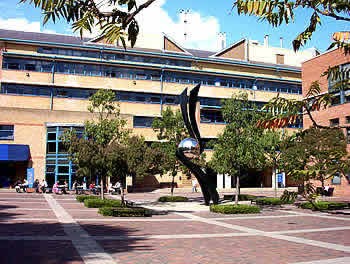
(306, 35)
(242, 145)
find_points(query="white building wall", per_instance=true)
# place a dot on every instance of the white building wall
(261, 53)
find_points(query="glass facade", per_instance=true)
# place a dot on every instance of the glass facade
(79, 93)
(145, 74)
(58, 165)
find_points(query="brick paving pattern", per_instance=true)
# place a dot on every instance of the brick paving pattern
(31, 231)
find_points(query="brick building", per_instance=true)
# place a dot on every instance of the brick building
(339, 112)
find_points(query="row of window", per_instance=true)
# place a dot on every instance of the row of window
(341, 98)
(60, 92)
(140, 74)
(113, 56)
(217, 102)
(7, 132)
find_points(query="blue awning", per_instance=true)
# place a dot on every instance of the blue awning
(14, 152)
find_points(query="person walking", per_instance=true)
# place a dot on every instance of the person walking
(194, 185)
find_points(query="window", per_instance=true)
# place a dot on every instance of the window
(348, 135)
(142, 121)
(347, 119)
(6, 132)
(334, 122)
(336, 180)
(211, 116)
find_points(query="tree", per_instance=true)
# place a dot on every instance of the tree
(118, 22)
(314, 154)
(242, 144)
(170, 129)
(92, 152)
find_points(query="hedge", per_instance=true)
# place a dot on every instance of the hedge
(272, 201)
(164, 199)
(124, 211)
(234, 209)
(241, 197)
(323, 205)
(97, 203)
(82, 198)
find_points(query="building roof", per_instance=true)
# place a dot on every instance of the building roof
(86, 42)
(45, 37)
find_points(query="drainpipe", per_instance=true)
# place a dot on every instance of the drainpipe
(53, 82)
(161, 90)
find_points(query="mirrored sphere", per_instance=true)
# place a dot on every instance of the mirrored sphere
(189, 147)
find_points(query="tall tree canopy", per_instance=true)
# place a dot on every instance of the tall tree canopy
(170, 129)
(242, 145)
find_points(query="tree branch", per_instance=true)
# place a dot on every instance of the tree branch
(138, 10)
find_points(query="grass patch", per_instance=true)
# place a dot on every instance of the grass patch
(323, 205)
(234, 209)
(272, 201)
(97, 203)
(83, 197)
(124, 211)
(164, 199)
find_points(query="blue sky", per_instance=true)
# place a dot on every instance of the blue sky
(205, 19)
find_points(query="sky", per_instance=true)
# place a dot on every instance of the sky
(206, 18)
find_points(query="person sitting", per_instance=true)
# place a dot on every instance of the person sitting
(55, 188)
(110, 188)
(75, 187)
(18, 185)
(117, 187)
(65, 187)
(43, 186)
(36, 185)
(92, 188)
(25, 185)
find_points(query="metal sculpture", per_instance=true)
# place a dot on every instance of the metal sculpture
(190, 148)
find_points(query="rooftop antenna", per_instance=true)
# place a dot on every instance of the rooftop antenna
(185, 12)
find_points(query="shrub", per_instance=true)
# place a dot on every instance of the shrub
(241, 197)
(124, 211)
(164, 199)
(269, 201)
(82, 198)
(289, 197)
(97, 203)
(323, 205)
(234, 209)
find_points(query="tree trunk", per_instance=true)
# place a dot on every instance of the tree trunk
(102, 191)
(172, 185)
(237, 190)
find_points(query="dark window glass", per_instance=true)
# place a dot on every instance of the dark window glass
(348, 135)
(50, 169)
(51, 136)
(334, 122)
(142, 121)
(7, 132)
(51, 147)
(63, 169)
(211, 116)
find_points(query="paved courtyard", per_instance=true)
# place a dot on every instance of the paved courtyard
(37, 228)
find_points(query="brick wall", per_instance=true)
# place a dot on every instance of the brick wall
(312, 71)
